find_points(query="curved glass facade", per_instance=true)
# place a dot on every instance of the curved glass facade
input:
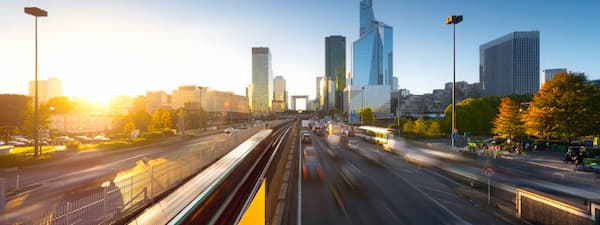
(373, 51)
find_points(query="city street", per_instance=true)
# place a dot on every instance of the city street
(396, 192)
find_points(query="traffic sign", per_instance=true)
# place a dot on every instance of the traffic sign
(489, 171)
(454, 136)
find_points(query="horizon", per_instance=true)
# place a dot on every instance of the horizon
(158, 46)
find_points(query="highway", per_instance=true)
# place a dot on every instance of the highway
(396, 192)
(81, 176)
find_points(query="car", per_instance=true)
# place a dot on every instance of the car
(306, 138)
(311, 168)
(372, 155)
(352, 176)
(310, 151)
(84, 139)
(230, 131)
(16, 143)
(101, 138)
(353, 145)
(2, 143)
(333, 152)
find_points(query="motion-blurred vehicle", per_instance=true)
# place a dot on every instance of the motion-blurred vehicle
(311, 169)
(306, 138)
(16, 143)
(373, 155)
(352, 176)
(230, 131)
(101, 138)
(84, 139)
(333, 152)
(353, 145)
(310, 151)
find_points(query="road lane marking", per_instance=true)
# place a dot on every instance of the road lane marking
(430, 198)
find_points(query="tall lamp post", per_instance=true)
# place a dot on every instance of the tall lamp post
(454, 19)
(361, 112)
(36, 12)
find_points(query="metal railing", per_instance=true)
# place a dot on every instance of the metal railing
(130, 190)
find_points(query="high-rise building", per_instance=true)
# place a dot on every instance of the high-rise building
(47, 89)
(279, 94)
(262, 81)
(395, 84)
(187, 94)
(548, 74)
(156, 100)
(319, 90)
(335, 71)
(510, 64)
(373, 52)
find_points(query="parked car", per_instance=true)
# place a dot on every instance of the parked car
(84, 139)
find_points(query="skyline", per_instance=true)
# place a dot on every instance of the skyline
(133, 42)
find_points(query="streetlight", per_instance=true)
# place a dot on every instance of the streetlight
(36, 12)
(362, 106)
(454, 19)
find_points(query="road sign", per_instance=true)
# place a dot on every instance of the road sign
(489, 171)
(454, 136)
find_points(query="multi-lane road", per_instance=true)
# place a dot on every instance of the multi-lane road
(395, 192)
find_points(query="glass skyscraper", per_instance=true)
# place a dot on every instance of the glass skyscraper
(262, 81)
(335, 72)
(372, 59)
(510, 64)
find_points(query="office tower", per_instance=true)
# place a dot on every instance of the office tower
(548, 74)
(510, 64)
(279, 94)
(395, 84)
(319, 90)
(335, 71)
(372, 58)
(262, 81)
(47, 89)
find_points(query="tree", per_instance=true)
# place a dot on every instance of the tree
(563, 108)
(434, 129)
(473, 115)
(408, 127)
(60, 104)
(367, 116)
(508, 123)
(161, 119)
(129, 126)
(420, 127)
(142, 119)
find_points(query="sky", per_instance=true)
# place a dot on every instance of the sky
(107, 48)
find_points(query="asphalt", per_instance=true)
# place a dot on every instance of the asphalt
(396, 192)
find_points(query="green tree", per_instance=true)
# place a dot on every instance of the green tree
(60, 104)
(161, 119)
(408, 127)
(563, 108)
(508, 123)
(434, 129)
(420, 127)
(142, 119)
(366, 115)
(473, 115)
(129, 126)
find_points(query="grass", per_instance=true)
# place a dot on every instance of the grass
(29, 149)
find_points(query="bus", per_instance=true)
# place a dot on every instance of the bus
(377, 135)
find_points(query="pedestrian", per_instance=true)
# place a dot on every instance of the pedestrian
(579, 159)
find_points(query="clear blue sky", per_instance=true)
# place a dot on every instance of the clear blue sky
(208, 42)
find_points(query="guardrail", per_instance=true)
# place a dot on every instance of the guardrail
(539, 208)
(221, 192)
(129, 191)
